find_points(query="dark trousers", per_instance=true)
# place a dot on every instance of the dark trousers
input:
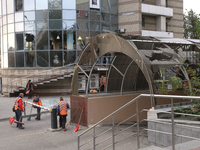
(62, 121)
(30, 94)
(102, 88)
(18, 114)
(38, 113)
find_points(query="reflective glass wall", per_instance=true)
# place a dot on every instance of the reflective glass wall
(51, 33)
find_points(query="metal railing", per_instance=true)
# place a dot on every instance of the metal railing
(108, 138)
(38, 77)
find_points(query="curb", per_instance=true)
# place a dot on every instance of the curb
(25, 116)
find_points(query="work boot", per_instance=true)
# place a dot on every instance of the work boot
(21, 128)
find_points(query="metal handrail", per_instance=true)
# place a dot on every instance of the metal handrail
(36, 74)
(137, 115)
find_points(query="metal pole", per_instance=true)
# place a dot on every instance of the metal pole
(172, 115)
(138, 130)
(54, 117)
(94, 136)
(113, 130)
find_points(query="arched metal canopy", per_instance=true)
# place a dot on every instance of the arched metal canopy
(134, 64)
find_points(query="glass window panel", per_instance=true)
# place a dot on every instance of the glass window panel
(11, 59)
(114, 27)
(55, 24)
(69, 57)
(41, 25)
(5, 43)
(4, 29)
(43, 59)
(105, 26)
(69, 4)
(10, 18)
(42, 15)
(19, 41)
(69, 14)
(0, 8)
(55, 4)
(19, 59)
(29, 41)
(80, 4)
(69, 40)
(55, 58)
(42, 40)
(10, 6)
(19, 27)
(5, 60)
(105, 6)
(19, 17)
(4, 20)
(18, 5)
(4, 6)
(29, 16)
(29, 5)
(55, 14)
(95, 25)
(41, 4)
(114, 6)
(30, 60)
(105, 17)
(30, 26)
(69, 25)
(114, 19)
(55, 40)
(82, 25)
(10, 28)
(11, 42)
(83, 15)
(82, 38)
(95, 15)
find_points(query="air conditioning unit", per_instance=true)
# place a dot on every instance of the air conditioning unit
(122, 30)
(81, 82)
(94, 81)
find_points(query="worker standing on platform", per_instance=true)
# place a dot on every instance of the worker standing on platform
(102, 82)
(19, 109)
(29, 87)
(37, 100)
(62, 112)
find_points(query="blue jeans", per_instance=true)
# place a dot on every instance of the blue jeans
(18, 117)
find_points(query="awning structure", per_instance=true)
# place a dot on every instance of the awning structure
(135, 61)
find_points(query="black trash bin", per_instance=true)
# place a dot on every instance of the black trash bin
(54, 117)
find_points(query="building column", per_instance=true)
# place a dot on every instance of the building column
(161, 23)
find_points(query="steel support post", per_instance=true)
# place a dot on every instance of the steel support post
(172, 115)
(138, 128)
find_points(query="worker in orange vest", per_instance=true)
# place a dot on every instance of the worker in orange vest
(19, 109)
(102, 83)
(62, 112)
(37, 100)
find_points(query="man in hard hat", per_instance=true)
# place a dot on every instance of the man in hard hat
(62, 112)
(19, 109)
(37, 100)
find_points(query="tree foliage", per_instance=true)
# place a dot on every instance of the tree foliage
(191, 25)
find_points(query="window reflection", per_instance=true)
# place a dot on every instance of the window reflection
(19, 40)
(4, 29)
(55, 4)
(42, 15)
(11, 59)
(42, 59)
(82, 38)
(95, 25)
(11, 42)
(80, 4)
(10, 28)
(69, 4)
(70, 39)
(55, 58)
(81, 14)
(41, 25)
(10, 6)
(42, 40)
(30, 41)
(4, 20)
(5, 43)
(4, 6)
(29, 26)
(41, 4)
(69, 25)
(55, 40)
(29, 16)
(82, 25)
(18, 5)
(19, 17)
(69, 57)
(69, 14)
(29, 5)
(19, 27)
(10, 18)
(30, 59)
(5, 60)
(19, 59)
(55, 14)
(95, 15)
(55, 24)
(105, 17)
(105, 6)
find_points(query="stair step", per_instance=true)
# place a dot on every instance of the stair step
(67, 75)
(60, 78)
(21, 88)
(53, 80)
(46, 81)
(39, 83)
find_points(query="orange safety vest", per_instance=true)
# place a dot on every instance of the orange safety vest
(103, 81)
(63, 107)
(39, 102)
(17, 103)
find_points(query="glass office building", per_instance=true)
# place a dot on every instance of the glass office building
(51, 33)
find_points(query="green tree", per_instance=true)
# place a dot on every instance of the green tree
(191, 25)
